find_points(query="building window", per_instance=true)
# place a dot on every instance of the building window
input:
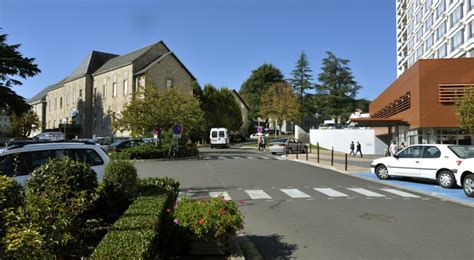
(429, 23)
(411, 43)
(114, 89)
(419, 33)
(125, 87)
(411, 60)
(419, 52)
(441, 8)
(80, 94)
(428, 4)
(441, 30)
(471, 5)
(104, 91)
(60, 102)
(443, 50)
(169, 84)
(457, 40)
(456, 15)
(429, 42)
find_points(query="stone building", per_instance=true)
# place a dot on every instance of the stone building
(86, 101)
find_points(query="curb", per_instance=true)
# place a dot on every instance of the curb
(249, 249)
(384, 183)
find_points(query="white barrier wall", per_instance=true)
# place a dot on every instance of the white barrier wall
(340, 139)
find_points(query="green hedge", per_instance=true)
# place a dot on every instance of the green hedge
(150, 151)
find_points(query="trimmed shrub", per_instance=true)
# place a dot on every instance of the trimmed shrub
(147, 151)
(135, 234)
(57, 194)
(150, 185)
(120, 179)
(11, 193)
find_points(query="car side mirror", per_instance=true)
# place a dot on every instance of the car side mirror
(396, 156)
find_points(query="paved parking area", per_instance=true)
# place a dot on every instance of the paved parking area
(424, 187)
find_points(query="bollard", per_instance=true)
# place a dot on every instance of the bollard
(345, 166)
(332, 156)
(307, 153)
(310, 146)
(317, 148)
(297, 151)
(286, 151)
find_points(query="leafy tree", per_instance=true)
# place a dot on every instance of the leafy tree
(220, 108)
(23, 125)
(280, 103)
(257, 85)
(301, 79)
(160, 108)
(465, 110)
(12, 64)
(338, 87)
(197, 91)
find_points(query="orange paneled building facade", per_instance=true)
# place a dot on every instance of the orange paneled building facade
(419, 106)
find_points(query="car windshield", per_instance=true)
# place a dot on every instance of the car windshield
(463, 152)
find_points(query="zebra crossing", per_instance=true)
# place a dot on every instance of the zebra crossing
(301, 193)
(238, 157)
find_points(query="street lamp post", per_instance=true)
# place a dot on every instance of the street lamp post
(65, 124)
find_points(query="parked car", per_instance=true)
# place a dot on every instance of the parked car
(465, 177)
(50, 136)
(105, 142)
(19, 161)
(290, 145)
(255, 136)
(429, 161)
(124, 144)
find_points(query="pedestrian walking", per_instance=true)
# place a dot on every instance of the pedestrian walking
(259, 142)
(264, 142)
(352, 147)
(359, 149)
(393, 148)
(402, 146)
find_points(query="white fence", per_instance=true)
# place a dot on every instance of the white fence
(340, 139)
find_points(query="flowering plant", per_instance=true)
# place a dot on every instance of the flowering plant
(210, 218)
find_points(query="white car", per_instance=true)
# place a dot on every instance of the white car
(429, 161)
(465, 177)
(30, 156)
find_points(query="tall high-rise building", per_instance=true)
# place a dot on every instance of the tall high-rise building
(428, 29)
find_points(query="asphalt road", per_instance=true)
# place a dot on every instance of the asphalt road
(345, 218)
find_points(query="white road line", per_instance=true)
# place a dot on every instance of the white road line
(221, 157)
(264, 158)
(206, 157)
(295, 193)
(331, 192)
(258, 194)
(366, 192)
(400, 193)
(236, 157)
(250, 157)
(215, 194)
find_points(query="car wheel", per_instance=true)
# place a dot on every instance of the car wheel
(382, 172)
(273, 153)
(468, 185)
(446, 179)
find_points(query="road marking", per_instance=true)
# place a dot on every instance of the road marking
(400, 193)
(237, 157)
(279, 158)
(206, 157)
(215, 194)
(257, 194)
(264, 158)
(221, 157)
(366, 192)
(295, 193)
(250, 157)
(331, 192)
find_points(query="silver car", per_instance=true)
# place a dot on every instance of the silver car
(284, 145)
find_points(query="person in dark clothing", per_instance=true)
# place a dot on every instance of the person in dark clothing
(352, 147)
(359, 149)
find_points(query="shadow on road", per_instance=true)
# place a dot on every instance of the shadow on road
(272, 247)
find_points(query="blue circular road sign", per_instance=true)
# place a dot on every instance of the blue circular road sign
(177, 129)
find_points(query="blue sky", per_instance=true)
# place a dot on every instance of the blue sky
(219, 41)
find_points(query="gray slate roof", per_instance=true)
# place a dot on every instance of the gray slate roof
(91, 63)
(120, 61)
(38, 97)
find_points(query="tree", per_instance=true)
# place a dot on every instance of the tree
(160, 108)
(12, 64)
(220, 108)
(197, 91)
(22, 125)
(301, 79)
(465, 109)
(257, 84)
(338, 87)
(279, 104)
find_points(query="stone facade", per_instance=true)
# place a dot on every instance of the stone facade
(103, 84)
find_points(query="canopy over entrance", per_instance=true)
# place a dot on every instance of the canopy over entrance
(378, 122)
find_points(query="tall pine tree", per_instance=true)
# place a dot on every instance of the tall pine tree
(337, 87)
(301, 79)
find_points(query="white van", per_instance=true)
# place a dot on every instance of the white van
(219, 137)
